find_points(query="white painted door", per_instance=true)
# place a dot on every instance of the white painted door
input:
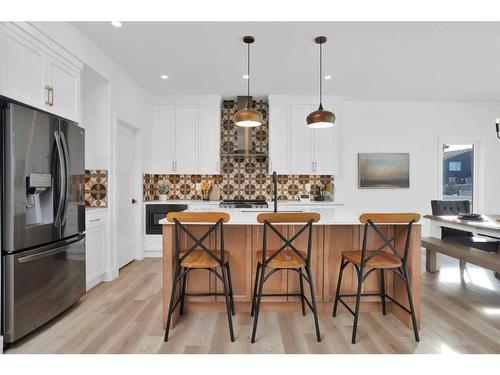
(186, 139)
(301, 141)
(22, 70)
(65, 84)
(279, 139)
(209, 138)
(162, 139)
(125, 215)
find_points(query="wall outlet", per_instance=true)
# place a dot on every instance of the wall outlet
(198, 186)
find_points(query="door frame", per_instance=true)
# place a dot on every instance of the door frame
(137, 189)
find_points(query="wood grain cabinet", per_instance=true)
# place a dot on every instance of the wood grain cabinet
(34, 74)
(185, 136)
(294, 148)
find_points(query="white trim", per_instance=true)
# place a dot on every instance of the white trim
(57, 51)
(476, 192)
(153, 254)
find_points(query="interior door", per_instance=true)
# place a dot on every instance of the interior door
(125, 218)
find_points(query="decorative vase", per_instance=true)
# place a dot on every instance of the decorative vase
(163, 197)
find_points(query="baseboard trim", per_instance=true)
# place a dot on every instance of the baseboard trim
(94, 281)
(153, 253)
(110, 275)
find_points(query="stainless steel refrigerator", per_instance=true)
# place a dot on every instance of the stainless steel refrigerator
(43, 217)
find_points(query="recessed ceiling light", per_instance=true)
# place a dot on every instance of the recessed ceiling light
(246, 76)
(164, 76)
(328, 77)
(116, 23)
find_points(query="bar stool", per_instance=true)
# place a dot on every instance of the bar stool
(282, 259)
(199, 256)
(365, 262)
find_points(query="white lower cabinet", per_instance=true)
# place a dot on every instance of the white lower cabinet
(95, 247)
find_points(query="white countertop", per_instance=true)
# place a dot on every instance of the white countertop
(239, 216)
(91, 210)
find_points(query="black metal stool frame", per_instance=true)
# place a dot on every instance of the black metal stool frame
(261, 277)
(401, 271)
(181, 273)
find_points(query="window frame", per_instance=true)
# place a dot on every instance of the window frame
(460, 140)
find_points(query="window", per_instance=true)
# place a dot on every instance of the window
(458, 172)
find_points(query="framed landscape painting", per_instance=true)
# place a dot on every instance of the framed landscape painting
(384, 171)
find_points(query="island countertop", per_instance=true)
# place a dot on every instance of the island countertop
(248, 216)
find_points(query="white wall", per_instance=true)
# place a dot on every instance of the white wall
(414, 127)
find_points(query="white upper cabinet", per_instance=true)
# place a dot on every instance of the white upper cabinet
(294, 148)
(64, 84)
(185, 135)
(162, 139)
(22, 67)
(37, 72)
(209, 138)
(186, 139)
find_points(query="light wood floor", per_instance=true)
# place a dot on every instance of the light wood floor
(124, 316)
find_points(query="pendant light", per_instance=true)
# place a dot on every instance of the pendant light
(248, 117)
(320, 118)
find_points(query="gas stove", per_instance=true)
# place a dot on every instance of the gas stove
(244, 203)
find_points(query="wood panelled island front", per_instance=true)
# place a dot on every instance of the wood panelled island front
(330, 239)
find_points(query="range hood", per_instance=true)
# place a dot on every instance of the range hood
(244, 147)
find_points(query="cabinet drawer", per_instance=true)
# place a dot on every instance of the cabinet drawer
(95, 219)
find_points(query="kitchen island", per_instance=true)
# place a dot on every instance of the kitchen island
(338, 230)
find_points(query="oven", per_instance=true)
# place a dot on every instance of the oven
(156, 212)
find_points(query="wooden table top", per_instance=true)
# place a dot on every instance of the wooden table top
(491, 222)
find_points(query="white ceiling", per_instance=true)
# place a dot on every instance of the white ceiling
(368, 60)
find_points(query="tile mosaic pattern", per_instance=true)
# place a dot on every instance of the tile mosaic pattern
(184, 186)
(96, 188)
(240, 178)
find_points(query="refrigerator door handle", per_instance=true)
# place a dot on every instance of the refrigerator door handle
(61, 246)
(62, 179)
(67, 171)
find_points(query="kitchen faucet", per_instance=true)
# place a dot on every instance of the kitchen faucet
(275, 191)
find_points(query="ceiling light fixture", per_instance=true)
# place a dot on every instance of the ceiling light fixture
(116, 23)
(164, 76)
(246, 76)
(248, 117)
(328, 77)
(320, 118)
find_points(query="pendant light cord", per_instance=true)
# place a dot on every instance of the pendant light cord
(248, 74)
(320, 74)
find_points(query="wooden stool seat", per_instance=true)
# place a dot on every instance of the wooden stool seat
(382, 260)
(201, 259)
(285, 259)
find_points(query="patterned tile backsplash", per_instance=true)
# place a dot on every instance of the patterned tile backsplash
(240, 178)
(96, 188)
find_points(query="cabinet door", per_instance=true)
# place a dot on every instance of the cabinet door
(162, 139)
(95, 245)
(65, 84)
(301, 140)
(209, 139)
(279, 139)
(186, 139)
(324, 151)
(22, 70)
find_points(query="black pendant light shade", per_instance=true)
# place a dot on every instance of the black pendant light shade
(248, 117)
(320, 118)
